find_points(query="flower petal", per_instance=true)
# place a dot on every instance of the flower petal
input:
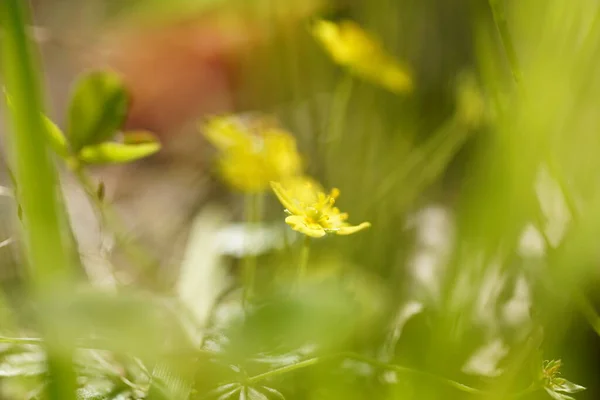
(298, 223)
(227, 132)
(350, 229)
(284, 198)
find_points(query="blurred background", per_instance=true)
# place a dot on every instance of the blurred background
(479, 183)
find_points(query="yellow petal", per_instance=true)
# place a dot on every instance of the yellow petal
(243, 171)
(281, 155)
(298, 223)
(226, 132)
(348, 230)
(285, 198)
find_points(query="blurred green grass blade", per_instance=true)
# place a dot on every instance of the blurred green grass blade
(35, 173)
(47, 255)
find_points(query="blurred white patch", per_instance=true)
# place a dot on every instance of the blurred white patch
(6, 242)
(406, 312)
(389, 377)
(553, 205)
(492, 284)
(434, 233)
(358, 367)
(4, 191)
(434, 227)
(239, 240)
(202, 276)
(531, 243)
(484, 362)
(516, 311)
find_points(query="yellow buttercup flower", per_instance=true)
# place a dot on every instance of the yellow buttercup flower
(311, 211)
(252, 153)
(352, 47)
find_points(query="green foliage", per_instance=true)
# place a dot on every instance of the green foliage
(496, 143)
(115, 153)
(97, 109)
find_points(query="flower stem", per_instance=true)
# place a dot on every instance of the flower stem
(337, 116)
(46, 242)
(252, 217)
(136, 254)
(304, 255)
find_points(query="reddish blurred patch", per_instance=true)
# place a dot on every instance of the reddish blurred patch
(179, 72)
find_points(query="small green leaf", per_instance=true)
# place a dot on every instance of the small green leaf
(97, 110)
(116, 153)
(139, 137)
(274, 394)
(568, 387)
(558, 396)
(253, 394)
(56, 139)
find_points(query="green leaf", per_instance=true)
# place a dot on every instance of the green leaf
(139, 137)
(274, 394)
(568, 387)
(56, 139)
(253, 394)
(557, 396)
(116, 153)
(97, 110)
(169, 384)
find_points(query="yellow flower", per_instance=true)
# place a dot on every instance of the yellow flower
(252, 153)
(350, 46)
(311, 211)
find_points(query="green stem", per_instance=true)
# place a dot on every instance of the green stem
(288, 368)
(337, 116)
(339, 108)
(21, 341)
(499, 14)
(304, 256)
(379, 364)
(252, 217)
(137, 255)
(587, 310)
(46, 244)
(425, 163)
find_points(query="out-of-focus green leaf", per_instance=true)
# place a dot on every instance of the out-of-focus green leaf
(253, 394)
(169, 384)
(56, 139)
(569, 387)
(272, 393)
(116, 153)
(139, 137)
(133, 324)
(558, 396)
(97, 110)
